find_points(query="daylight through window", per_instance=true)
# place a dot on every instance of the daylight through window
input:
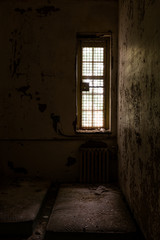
(93, 97)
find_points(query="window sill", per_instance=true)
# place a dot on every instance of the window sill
(95, 131)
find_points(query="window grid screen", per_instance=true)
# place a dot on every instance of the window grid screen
(92, 104)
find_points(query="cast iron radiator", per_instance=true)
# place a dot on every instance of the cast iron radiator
(94, 164)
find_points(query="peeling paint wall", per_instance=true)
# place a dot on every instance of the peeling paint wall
(139, 111)
(38, 83)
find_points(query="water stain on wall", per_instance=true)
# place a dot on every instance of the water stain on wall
(19, 170)
(55, 121)
(139, 111)
(42, 107)
(22, 11)
(24, 90)
(130, 10)
(46, 75)
(46, 10)
(16, 48)
(141, 10)
(138, 139)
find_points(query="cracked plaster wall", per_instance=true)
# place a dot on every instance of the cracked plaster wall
(38, 83)
(139, 111)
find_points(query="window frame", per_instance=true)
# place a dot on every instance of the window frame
(94, 40)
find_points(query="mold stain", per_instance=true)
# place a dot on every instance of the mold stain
(24, 90)
(42, 77)
(16, 52)
(130, 10)
(151, 2)
(74, 124)
(55, 121)
(46, 10)
(17, 169)
(141, 8)
(46, 75)
(22, 11)
(42, 107)
(136, 100)
(138, 139)
(141, 165)
(153, 86)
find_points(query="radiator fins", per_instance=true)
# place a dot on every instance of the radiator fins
(94, 165)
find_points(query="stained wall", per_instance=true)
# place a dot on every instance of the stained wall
(139, 111)
(38, 83)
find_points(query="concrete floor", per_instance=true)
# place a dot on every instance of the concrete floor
(20, 204)
(77, 212)
(95, 212)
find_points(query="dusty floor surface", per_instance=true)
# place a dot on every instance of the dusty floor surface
(93, 197)
(90, 209)
(48, 197)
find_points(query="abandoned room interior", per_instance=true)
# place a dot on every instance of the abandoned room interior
(80, 119)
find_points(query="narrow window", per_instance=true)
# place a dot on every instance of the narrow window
(93, 88)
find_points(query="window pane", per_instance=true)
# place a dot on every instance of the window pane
(87, 69)
(97, 106)
(98, 69)
(86, 102)
(98, 102)
(87, 54)
(98, 82)
(98, 90)
(98, 118)
(98, 54)
(92, 83)
(86, 118)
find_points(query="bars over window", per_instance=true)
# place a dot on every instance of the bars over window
(93, 84)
